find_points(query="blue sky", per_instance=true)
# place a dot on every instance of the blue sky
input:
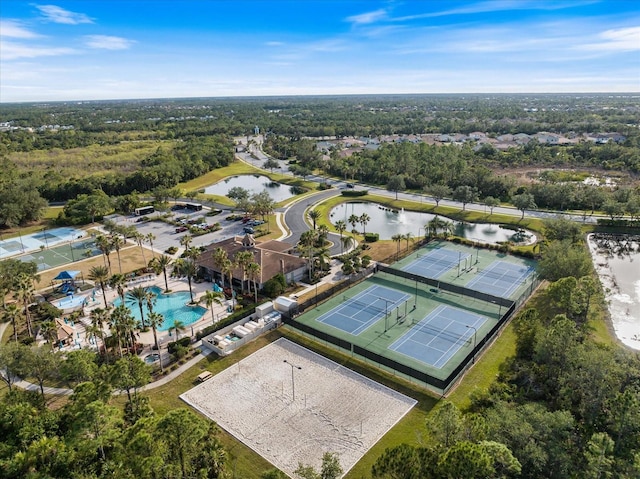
(95, 49)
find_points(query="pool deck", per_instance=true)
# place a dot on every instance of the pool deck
(81, 339)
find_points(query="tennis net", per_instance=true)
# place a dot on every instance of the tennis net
(366, 306)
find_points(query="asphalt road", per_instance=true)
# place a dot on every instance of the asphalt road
(294, 217)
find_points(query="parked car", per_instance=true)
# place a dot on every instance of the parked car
(248, 229)
(181, 229)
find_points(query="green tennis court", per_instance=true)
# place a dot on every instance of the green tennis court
(63, 254)
(426, 316)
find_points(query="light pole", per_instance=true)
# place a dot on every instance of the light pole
(475, 332)
(293, 382)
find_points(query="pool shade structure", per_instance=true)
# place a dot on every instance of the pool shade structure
(68, 278)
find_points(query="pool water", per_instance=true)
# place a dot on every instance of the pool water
(151, 358)
(171, 306)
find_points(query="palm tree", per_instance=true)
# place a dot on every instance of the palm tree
(341, 227)
(98, 317)
(118, 281)
(186, 241)
(159, 265)
(100, 275)
(178, 326)
(397, 238)
(140, 295)
(253, 269)
(103, 244)
(364, 219)
(227, 268)
(48, 330)
(117, 243)
(122, 324)
(307, 241)
(149, 237)
(322, 257)
(314, 215)
(242, 259)
(11, 311)
(24, 293)
(210, 298)
(183, 267)
(408, 237)
(346, 242)
(155, 321)
(323, 233)
(139, 237)
(219, 257)
(354, 220)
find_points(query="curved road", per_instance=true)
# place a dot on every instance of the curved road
(294, 218)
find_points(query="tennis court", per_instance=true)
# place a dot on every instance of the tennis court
(63, 254)
(358, 313)
(435, 263)
(424, 329)
(500, 278)
(484, 270)
(445, 303)
(439, 336)
(41, 240)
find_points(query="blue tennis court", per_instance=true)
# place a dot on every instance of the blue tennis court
(500, 278)
(435, 263)
(356, 314)
(439, 336)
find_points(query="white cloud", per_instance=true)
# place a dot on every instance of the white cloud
(107, 42)
(500, 6)
(12, 51)
(369, 17)
(14, 29)
(620, 39)
(55, 14)
(274, 44)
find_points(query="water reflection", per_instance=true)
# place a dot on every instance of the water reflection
(254, 184)
(388, 222)
(616, 261)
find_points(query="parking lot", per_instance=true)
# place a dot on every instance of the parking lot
(167, 235)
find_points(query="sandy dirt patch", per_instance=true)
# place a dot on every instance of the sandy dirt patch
(334, 409)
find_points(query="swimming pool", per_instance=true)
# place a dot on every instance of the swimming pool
(70, 303)
(172, 307)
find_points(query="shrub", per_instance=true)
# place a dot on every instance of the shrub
(171, 250)
(352, 193)
(275, 286)
(182, 342)
(371, 237)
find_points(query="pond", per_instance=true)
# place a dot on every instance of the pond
(387, 223)
(616, 258)
(254, 184)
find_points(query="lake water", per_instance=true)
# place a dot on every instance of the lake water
(617, 261)
(388, 223)
(254, 184)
